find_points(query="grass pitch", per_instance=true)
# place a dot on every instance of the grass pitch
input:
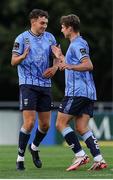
(55, 160)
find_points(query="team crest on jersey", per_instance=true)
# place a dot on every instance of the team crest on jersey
(16, 46)
(50, 40)
(26, 40)
(83, 51)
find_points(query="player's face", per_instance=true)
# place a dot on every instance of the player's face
(65, 30)
(40, 24)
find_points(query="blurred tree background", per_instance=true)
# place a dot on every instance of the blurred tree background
(96, 28)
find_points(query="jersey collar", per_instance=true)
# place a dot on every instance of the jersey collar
(39, 37)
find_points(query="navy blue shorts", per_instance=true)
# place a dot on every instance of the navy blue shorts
(76, 106)
(35, 98)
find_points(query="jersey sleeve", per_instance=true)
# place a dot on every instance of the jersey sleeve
(81, 51)
(53, 40)
(18, 46)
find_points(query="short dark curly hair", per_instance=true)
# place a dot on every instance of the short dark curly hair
(71, 20)
(35, 13)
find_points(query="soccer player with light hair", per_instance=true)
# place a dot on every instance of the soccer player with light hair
(31, 53)
(80, 94)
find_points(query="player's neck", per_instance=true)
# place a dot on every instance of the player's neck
(74, 36)
(34, 32)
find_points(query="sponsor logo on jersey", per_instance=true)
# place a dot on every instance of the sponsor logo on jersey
(16, 46)
(83, 51)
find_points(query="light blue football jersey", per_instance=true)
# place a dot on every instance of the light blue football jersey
(79, 83)
(30, 70)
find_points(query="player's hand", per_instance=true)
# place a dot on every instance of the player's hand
(17, 59)
(63, 66)
(26, 52)
(57, 51)
(50, 72)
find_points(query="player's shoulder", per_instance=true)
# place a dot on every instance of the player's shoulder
(48, 34)
(22, 35)
(80, 41)
(49, 37)
(25, 34)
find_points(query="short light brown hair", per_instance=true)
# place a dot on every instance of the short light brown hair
(71, 20)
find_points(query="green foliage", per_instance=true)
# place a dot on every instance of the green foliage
(96, 28)
(57, 93)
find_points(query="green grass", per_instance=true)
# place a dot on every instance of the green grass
(55, 160)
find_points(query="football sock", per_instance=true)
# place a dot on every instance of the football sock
(20, 158)
(23, 140)
(80, 153)
(39, 137)
(71, 139)
(91, 143)
(98, 157)
(33, 147)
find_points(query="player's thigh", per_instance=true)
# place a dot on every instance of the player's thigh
(29, 117)
(62, 120)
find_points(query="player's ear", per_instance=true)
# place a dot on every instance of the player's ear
(70, 28)
(33, 21)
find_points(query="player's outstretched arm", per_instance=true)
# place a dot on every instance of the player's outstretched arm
(17, 59)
